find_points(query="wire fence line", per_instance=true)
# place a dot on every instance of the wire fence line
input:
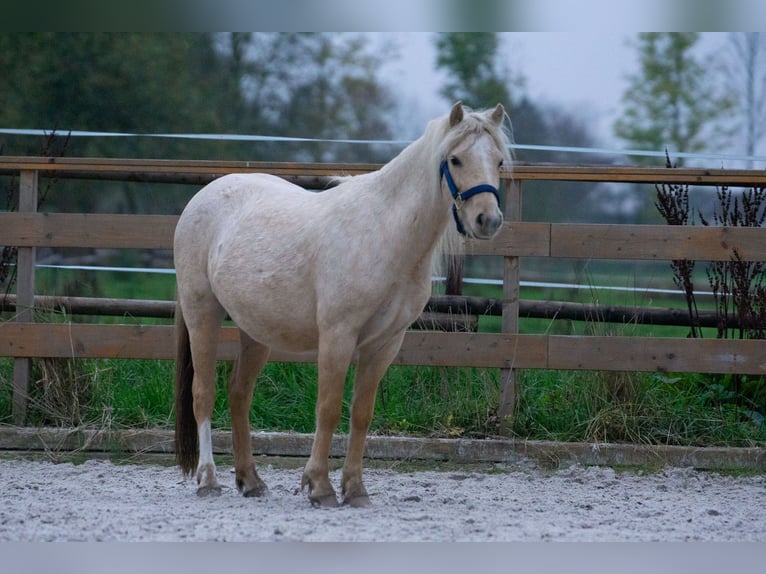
(468, 280)
(601, 151)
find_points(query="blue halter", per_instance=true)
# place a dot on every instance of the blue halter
(461, 197)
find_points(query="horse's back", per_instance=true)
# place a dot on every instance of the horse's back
(215, 203)
(228, 204)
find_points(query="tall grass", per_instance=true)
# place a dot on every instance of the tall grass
(645, 408)
(425, 401)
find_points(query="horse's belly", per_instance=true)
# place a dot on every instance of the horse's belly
(272, 324)
(265, 286)
(283, 336)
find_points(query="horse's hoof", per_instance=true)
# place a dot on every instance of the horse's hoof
(325, 501)
(361, 501)
(255, 492)
(252, 488)
(204, 491)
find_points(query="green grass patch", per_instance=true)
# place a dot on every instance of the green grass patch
(647, 408)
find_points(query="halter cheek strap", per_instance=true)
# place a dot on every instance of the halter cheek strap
(460, 197)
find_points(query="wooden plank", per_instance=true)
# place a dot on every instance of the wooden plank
(156, 232)
(126, 166)
(633, 174)
(511, 294)
(665, 355)
(25, 295)
(516, 239)
(593, 241)
(490, 350)
(501, 350)
(80, 340)
(662, 242)
(87, 230)
(73, 340)
(458, 307)
(521, 172)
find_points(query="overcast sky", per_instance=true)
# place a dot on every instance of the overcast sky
(581, 72)
(577, 71)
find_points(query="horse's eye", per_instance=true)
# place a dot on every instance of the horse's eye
(499, 165)
(455, 161)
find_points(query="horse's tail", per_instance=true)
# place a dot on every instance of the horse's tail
(186, 440)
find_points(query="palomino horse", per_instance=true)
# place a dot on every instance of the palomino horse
(343, 272)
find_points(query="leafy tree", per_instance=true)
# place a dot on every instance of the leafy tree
(133, 82)
(475, 72)
(309, 85)
(317, 85)
(671, 100)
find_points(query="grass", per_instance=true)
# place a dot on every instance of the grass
(425, 401)
(644, 408)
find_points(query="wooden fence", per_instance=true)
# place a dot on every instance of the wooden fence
(24, 339)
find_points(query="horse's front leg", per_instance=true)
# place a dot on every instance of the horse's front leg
(252, 357)
(333, 360)
(370, 370)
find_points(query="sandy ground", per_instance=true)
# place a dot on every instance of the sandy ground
(102, 501)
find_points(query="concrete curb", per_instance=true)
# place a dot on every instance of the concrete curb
(458, 450)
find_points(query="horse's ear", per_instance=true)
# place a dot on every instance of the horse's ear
(498, 114)
(456, 114)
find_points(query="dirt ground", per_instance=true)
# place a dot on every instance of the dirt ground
(102, 501)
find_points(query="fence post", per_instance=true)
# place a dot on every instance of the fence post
(511, 287)
(25, 297)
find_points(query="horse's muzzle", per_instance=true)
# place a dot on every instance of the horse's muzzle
(487, 224)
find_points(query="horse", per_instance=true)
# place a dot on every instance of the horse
(342, 272)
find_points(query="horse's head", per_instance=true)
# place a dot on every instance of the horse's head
(475, 148)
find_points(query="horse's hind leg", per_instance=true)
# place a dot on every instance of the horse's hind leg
(252, 357)
(373, 363)
(203, 324)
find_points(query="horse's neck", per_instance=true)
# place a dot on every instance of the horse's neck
(408, 187)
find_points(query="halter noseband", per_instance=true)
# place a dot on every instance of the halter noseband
(460, 197)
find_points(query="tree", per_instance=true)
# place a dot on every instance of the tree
(114, 82)
(475, 73)
(747, 81)
(318, 85)
(671, 101)
(132, 82)
(307, 85)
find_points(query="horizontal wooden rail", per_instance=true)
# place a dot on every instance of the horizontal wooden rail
(633, 174)
(494, 350)
(77, 340)
(457, 306)
(95, 168)
(96, 230)
(657, 242)
(525, 239)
